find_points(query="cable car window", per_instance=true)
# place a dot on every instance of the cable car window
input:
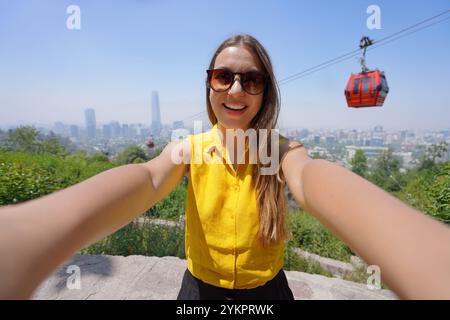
(356, 85)
(384, 83)
(366, 83)
(374, 84)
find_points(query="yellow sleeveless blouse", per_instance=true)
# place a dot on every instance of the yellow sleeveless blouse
(222, 220)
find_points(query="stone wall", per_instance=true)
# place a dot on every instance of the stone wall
(141, 277)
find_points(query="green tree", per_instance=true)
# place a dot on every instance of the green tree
(430, 193)
(359, 163)
(386, 173)
(27, 139)
(432, 155)
(23, 139)
(99, 157)
(53, 146)
(131, 154)
(439, 193)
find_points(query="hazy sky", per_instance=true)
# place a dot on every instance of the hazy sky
(126, 49)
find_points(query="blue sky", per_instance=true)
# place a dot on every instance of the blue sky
(127, 49)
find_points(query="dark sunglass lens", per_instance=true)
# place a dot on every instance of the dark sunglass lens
(253, 82)
(220, 80)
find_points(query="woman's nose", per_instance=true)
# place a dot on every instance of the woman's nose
(236, 87)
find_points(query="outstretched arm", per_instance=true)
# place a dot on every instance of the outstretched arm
(411, 249)
(38, 235)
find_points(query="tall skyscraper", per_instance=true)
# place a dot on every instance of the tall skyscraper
(156, 115)
(91, 125)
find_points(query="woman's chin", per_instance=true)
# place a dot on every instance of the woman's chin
(233, 125)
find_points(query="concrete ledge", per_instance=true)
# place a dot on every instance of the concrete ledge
(141, 277)
(335, 267)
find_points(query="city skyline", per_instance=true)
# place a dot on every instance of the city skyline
(49, 125)
(92, 127)
(337, 145)
(51, 74)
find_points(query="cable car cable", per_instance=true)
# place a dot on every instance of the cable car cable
(353, 53)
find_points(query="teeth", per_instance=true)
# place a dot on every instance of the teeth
(235, 107)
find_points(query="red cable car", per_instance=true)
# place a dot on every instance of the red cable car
(150, 144)
(368, 88)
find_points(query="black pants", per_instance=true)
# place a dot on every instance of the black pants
(195, 289)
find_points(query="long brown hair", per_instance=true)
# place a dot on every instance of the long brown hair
(271, 199)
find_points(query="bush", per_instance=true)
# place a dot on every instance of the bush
(98, 157)
(429, 192)
(172, 206)
(310, 235)
(19, 183)
(294, 262)
(147, 239)
(165, 241)
(127, 241)
(28, 176)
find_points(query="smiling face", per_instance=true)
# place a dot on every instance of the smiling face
(245, 105)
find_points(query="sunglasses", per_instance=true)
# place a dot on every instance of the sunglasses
(220, 80)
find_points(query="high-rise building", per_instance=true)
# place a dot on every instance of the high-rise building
(107, 131)
(156, 115)
(91, 125)
(125, 130)
(317, 139)
(116, 130)
(74, 131)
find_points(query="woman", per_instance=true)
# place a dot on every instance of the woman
(235, 217)
(235, 213)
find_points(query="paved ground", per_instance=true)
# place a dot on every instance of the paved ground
(140, 277)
